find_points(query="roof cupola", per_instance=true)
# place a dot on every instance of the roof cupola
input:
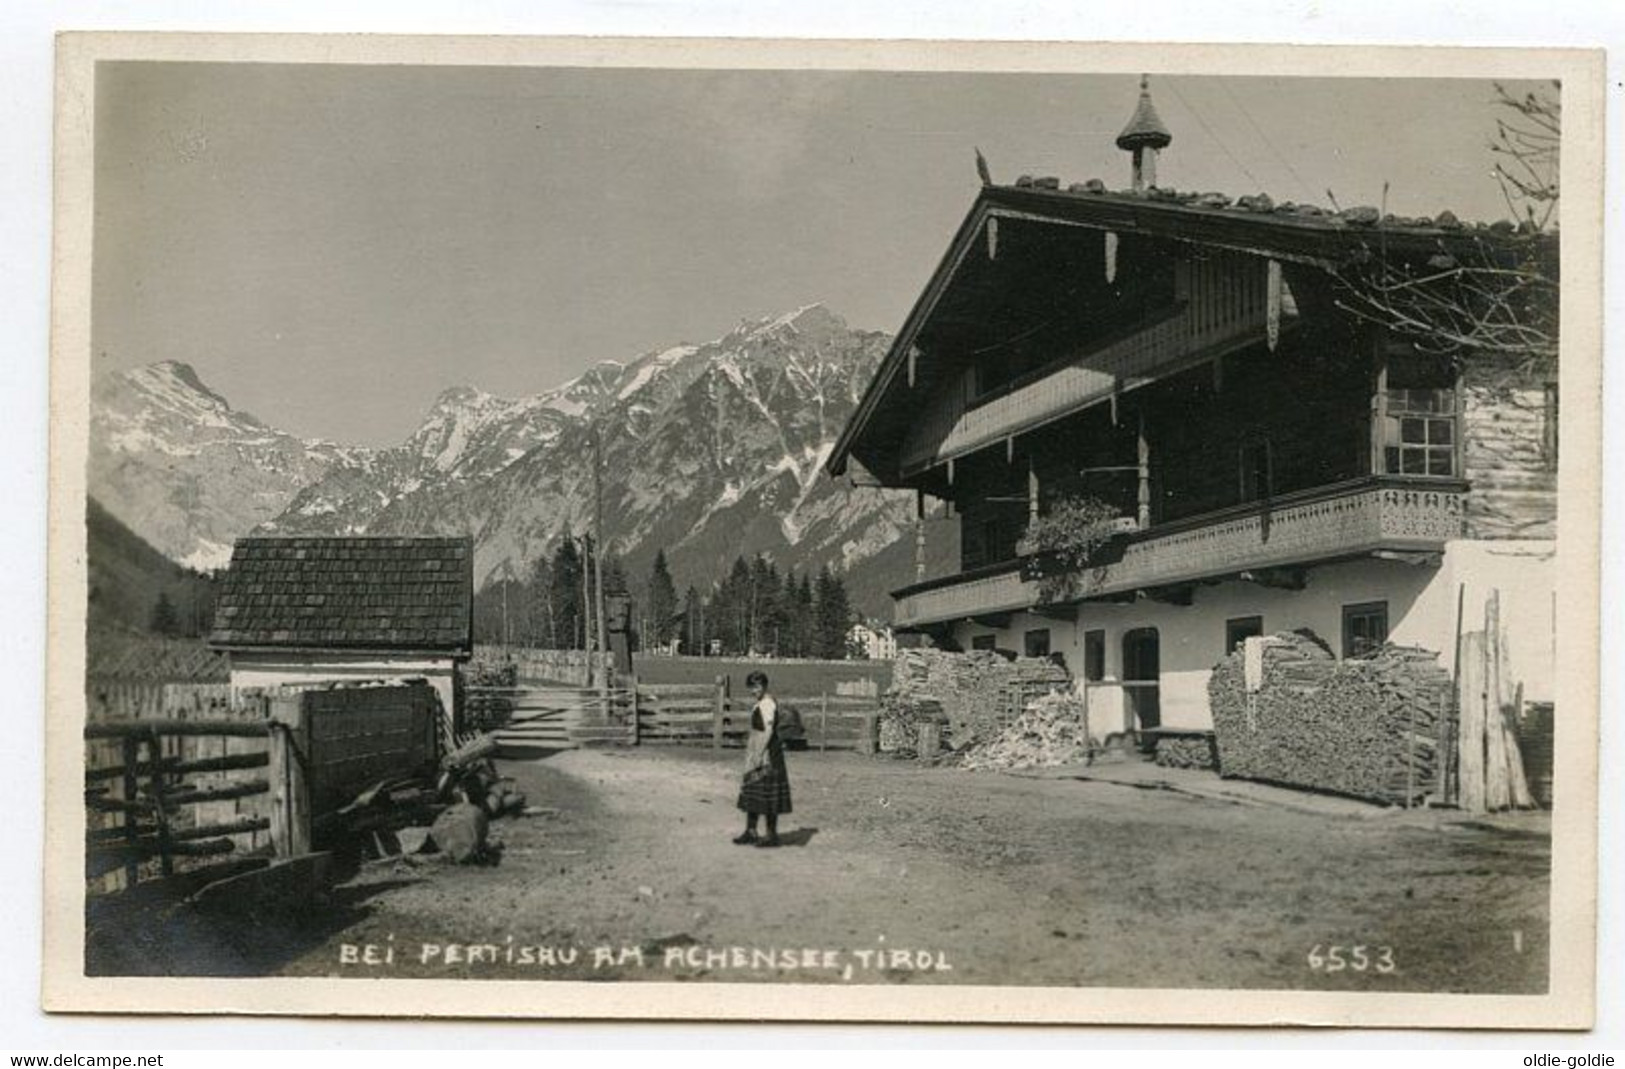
(1144, 137)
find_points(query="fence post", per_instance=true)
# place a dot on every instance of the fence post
(823, 721)
(869, 740)
(160, 804)
(131, 747)
(290, 799)
(719, 711)
(632, 682)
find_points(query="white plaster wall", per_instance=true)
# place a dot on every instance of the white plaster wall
(1421, 612)
(270, 670)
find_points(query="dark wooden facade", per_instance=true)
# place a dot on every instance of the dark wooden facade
(1182, 365)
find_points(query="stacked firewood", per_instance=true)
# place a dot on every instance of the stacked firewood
(900, 718)
(1186, 751)
(1367, 727)
(1051, 731)
(971, 691)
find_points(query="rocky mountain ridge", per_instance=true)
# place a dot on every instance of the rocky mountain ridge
(707, 450)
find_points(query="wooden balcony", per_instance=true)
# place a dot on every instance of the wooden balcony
(1343, 521)
(1223, 307)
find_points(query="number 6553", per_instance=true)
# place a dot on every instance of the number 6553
(1359, 958)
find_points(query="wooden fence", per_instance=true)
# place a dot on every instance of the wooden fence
(166, 793)
(240, 775)
(710, 715)
(527, 718)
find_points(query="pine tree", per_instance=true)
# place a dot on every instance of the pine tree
(833, 614)
(537, 619)
(807, 622)
(564, 596)
(732, 605)
(693, 631)
(164, 620)
(661, 603)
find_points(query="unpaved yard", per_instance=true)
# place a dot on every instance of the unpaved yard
(899, 873)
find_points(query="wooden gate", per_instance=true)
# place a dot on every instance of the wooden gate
(527, 719)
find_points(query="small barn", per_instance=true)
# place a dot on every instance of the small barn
(303, 611)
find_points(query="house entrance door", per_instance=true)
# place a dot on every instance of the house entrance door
(1141, 672)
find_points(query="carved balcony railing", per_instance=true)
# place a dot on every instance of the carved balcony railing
(1347, 520)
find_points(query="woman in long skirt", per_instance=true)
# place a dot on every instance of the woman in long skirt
(766, 788)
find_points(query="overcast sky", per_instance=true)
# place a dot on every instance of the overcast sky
(333, 246)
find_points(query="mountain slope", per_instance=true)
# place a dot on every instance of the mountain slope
(127, 577)
(709, 451)
(176, 463)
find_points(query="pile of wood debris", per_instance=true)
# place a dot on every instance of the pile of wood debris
(1051, 731)
(450, 818)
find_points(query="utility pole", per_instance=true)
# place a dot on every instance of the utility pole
(586, 602)
(598, 540)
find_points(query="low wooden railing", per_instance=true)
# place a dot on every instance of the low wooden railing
(710, 715)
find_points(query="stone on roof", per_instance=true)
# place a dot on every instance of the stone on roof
(1145, 128)
(348, 593)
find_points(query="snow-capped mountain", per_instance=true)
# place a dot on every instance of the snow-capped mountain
(708, 451)
(177, 464)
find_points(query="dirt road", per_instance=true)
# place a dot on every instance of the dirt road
(898, 873)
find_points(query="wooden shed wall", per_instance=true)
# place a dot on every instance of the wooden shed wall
(1509, 449)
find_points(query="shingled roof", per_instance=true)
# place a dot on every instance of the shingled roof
(377, 594)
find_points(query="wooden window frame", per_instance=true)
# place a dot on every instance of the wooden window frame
(1231, 642)
(1094, 672)
(1266, 492)
(1356, 610)
(984, 642)
(1027, 642)
(1444, 412)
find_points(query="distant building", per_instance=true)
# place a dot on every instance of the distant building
(1265, 459)
(877, 643)
(304, 611)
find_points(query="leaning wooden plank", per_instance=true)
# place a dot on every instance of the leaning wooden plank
(286, 883)
(1470, 737)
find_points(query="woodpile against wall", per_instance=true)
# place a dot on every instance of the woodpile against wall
(1365, 727)
(1050, 731)
(1187, 751)
(967, 692)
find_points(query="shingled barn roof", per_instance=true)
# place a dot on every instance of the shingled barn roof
(376, 594)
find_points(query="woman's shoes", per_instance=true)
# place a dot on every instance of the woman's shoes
(771, 840)
(745, 838)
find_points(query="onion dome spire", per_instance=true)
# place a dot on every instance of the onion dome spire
(1144, 136)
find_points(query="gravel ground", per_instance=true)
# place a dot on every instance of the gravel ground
(896, 873)
(936, 875)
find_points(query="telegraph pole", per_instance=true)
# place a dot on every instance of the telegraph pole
(598, 542)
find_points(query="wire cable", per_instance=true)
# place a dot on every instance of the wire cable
(1302, 183)
(1216, 139)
